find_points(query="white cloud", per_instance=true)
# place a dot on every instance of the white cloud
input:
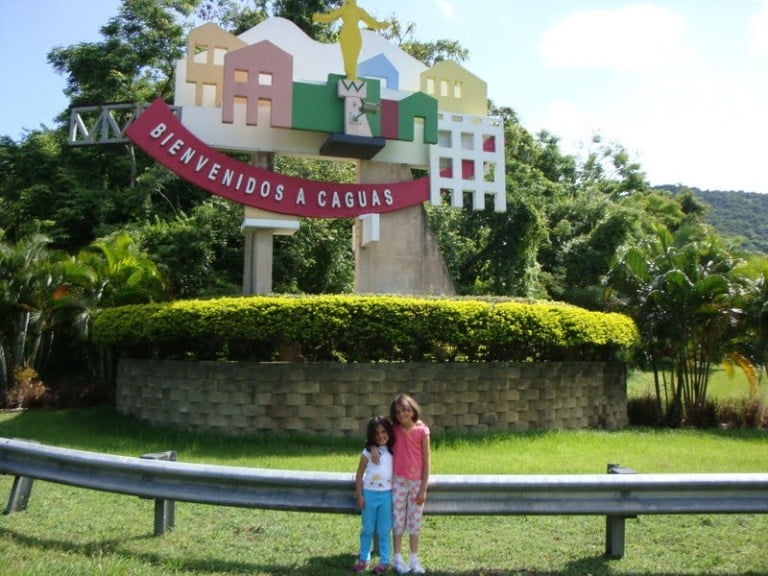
(695, 129)
(636, 38)
(758, 32)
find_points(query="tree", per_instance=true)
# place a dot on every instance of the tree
(34, 282)
(187, 249)
(318, 259)
(430, 53)
(123, 273)
(136, 60)
(681, 289)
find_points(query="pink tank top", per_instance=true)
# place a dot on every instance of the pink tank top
(409, 451)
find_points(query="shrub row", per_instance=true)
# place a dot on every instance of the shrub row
(717, 413)
(364, 329)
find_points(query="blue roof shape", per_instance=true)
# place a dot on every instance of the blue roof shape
(381, 68)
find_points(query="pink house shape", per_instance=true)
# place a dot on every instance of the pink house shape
(262, 75)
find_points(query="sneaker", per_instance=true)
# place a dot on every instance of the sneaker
(380, 568)
(400, 566)
(417, 568)
(359, 566)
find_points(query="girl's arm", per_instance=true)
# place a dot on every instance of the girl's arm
(421, 497)
(359, 481)
(375, 454)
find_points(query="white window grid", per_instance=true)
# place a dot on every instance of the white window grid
(460, 139)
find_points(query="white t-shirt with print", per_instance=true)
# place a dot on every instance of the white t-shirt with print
(378, 476)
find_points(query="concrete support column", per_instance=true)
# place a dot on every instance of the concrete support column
(257, 271)
(259, 227)
(402, 256)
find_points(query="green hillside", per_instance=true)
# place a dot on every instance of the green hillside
(734, 214)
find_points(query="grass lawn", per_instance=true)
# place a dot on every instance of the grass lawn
(71, 531)
(722, 385)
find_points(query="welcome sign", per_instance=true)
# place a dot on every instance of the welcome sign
(164, 138)
(273, 89)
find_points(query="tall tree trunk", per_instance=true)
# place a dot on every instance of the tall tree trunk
(659, 400)
(4, 376)
(21, 339)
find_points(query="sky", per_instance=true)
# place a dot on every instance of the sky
(682, 85)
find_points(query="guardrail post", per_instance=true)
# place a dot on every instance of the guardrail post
(615, 525)
(20, 493)
(165, 509)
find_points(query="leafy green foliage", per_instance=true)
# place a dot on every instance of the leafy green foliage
(681, 289)
(135, 61)
(740, 215)
(429, 53)
(364, 329)
(47, 300)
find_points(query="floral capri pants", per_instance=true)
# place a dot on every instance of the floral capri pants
(407, 514)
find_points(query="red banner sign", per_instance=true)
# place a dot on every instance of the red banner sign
(160, 134)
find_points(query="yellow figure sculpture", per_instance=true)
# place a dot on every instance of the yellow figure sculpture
(349, 37)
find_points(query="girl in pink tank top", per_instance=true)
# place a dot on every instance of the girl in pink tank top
(411, 476)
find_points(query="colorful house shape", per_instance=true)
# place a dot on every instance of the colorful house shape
(317, 107)
(381, 68)
(260, 75)
(417, 105)
(456, 89)
(207, 47)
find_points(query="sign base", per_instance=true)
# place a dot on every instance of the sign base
(350, 146)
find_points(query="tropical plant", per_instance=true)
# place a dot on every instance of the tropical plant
(681, 289)
(34, 283)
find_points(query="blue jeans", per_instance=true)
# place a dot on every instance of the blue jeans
(376, 519)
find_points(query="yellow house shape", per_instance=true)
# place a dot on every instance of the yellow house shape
(207, 45)
(456, 89)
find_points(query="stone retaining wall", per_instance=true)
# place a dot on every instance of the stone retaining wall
(338, 399)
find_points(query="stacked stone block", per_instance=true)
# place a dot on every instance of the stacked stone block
(337, 399)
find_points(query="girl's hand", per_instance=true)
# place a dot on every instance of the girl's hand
(360, 502)
(421, 497)
(375, 454)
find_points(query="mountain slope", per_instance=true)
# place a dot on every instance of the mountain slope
(742, 215)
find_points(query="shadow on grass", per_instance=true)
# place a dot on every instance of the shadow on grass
(587, 566)
(338, 564)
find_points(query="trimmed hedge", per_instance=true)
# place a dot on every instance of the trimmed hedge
(364, 329)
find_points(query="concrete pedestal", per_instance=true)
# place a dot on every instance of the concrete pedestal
(405, 257)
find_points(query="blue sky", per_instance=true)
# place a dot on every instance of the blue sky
(681, 84)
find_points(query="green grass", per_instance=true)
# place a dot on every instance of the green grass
(722, 386)
(71, 531)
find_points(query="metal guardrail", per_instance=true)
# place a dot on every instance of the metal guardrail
(618, 495)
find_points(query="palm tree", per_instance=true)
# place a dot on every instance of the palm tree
(123, 274)
(126, 274)
(32, 278)
(680, 288)
(45, 294)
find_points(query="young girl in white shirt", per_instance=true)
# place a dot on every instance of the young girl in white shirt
(373, 490)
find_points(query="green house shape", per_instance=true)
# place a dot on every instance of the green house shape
(317, 107)
(417, 105)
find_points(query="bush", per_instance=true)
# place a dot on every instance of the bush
(643, 411)
(365, 329)
(743, 413)
(728, 414)
(707, 416)
(27, 390)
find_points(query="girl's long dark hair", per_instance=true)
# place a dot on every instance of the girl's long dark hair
(370, 435)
